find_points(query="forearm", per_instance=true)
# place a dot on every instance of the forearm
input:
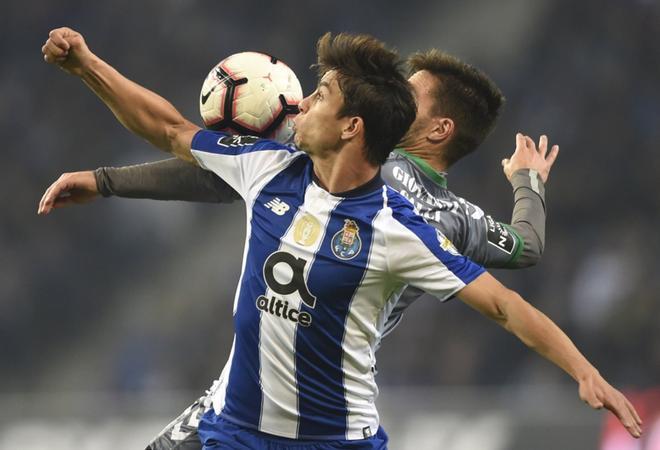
(541, 334)
(531, 326)
(528, 218)
(140, 110)
(171, 179)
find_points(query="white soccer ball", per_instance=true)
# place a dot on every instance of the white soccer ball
(253, 94)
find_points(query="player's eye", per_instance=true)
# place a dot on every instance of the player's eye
(318, 95)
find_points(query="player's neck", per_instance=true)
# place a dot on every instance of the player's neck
(430, 154)
(343, 171)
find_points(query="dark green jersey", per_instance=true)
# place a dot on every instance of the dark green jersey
(474, 233)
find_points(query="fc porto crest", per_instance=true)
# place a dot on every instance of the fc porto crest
(346, 243)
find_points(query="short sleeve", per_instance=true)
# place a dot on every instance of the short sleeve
(244, 162)
(424, 257)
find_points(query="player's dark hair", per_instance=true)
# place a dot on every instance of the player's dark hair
(464, 94)
(373, 88)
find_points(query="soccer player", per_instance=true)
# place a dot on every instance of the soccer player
(328, 250)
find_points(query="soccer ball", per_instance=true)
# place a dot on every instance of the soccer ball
(251, 93)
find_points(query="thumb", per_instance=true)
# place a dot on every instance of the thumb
(505, 161)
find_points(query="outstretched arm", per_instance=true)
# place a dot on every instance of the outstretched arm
(537, 331)
(171, 179)
(141, 111)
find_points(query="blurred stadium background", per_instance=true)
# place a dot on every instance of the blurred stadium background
(116, 315)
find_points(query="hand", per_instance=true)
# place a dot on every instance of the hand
(66, 49)
(598, 393)
(69, 189)
(527, 157)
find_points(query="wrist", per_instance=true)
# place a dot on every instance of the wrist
(585, 372)
(527, 178)
(89, 66)
(102, 182)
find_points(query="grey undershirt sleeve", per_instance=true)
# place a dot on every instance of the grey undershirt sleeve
(528, 218)
(170, 179)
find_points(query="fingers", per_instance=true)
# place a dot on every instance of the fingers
(633, 412)
(543, 145)
(626, 416)
(54, 50)
(552, 156)
(529, 142)
(60, 41)
(54, 191)
(619, 405)
(58, 37)
(46, 202)
(520, 141)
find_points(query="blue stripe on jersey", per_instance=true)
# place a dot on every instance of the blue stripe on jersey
(459, 265)
(319, 373)
(243, 397)
(223, 143)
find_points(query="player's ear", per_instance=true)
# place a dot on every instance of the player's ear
(352, 127)
(442, 128)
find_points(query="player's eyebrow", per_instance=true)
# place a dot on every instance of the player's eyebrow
(324, 84)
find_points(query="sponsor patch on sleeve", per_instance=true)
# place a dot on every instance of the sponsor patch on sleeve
(237, 141)
(500, 237)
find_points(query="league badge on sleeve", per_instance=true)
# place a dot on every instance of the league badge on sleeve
(446, 244)
(346, 243)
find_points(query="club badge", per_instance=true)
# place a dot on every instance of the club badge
(346, 243)
(306, 230)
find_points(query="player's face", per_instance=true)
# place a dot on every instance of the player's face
(318, 127)
(423, 84)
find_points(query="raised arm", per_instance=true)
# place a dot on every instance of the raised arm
(527, 170)
(141, 111)
(537, 331)
(519, 243)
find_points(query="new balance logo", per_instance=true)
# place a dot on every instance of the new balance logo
(277, 206)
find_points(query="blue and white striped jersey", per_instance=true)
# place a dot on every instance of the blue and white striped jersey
(320, 275)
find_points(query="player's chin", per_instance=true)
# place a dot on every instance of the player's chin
(297, 139)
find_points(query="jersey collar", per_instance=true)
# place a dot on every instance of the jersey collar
(370, 186)
(438, 177)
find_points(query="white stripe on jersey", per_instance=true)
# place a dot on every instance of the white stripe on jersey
(219, 388)
(279, 411)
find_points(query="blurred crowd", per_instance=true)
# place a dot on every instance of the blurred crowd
(129, 295)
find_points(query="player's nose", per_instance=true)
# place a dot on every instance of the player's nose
(304, 103)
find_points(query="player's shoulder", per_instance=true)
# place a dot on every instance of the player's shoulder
(403, 170)
(222, 142)
(408, 226)
(401, 209)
